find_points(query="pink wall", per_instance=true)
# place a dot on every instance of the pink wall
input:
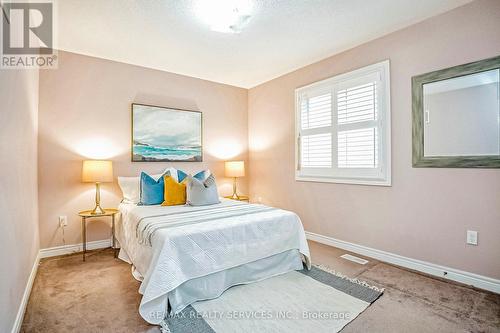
(85, 113)
(18, 188)
(426, 212)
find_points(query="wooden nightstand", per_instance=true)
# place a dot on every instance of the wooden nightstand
(240, 198)
(87, 215)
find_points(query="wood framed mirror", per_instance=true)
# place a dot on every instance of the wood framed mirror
(456, 116)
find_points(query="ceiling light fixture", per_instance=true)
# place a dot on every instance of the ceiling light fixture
(228, 16)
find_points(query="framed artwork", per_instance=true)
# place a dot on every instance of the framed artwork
(161, 134)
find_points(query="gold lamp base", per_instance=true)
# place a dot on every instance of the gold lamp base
(97, 209)
(235, 195)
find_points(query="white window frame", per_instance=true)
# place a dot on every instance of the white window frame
(380, 176)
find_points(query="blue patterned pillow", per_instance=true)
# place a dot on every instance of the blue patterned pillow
(202, 175)
(152, 191)
(181, 175)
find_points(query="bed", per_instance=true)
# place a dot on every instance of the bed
(183, 254)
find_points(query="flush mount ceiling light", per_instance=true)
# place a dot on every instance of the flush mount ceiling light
(228, 16)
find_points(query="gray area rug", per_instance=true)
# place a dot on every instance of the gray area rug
(319, 300)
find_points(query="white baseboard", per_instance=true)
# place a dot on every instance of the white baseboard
(453, 274)
(73, 248)
(26, 296)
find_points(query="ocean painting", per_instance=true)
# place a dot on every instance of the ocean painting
(165, 135)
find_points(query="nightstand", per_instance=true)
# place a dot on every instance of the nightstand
(240, 198)
(86, 214)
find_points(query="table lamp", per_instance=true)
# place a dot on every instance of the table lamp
(97, 172)
(235, 169)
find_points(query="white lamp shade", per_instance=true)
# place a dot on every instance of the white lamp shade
(97, 171)
(235, 169)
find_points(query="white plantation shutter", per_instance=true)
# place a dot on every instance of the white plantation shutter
(316, 134)
(317, 151)
(316, 111)
(343, 128)
(357, 105)
(358, 149)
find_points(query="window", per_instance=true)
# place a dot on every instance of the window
(343, 127)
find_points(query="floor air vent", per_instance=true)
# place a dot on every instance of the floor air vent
(354, 259)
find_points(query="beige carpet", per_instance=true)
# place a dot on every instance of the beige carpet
(100, 295)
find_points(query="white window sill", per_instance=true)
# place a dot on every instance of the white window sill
(369, 182)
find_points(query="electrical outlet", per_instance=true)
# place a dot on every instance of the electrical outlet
(471, 237)
(63, 221)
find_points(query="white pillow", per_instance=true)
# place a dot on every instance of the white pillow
(201, 193)
(131, 188)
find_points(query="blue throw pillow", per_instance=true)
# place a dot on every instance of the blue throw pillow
(152, 191)
(181, 175)
(202, 175)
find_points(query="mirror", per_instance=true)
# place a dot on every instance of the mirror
(456, 116)
(461, 116)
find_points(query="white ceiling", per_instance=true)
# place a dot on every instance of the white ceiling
(282, 35)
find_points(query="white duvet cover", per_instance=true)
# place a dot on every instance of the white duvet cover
(188, 253)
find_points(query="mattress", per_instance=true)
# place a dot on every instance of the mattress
(185, 254)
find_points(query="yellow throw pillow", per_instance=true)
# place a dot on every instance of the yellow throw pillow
(175, 193)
